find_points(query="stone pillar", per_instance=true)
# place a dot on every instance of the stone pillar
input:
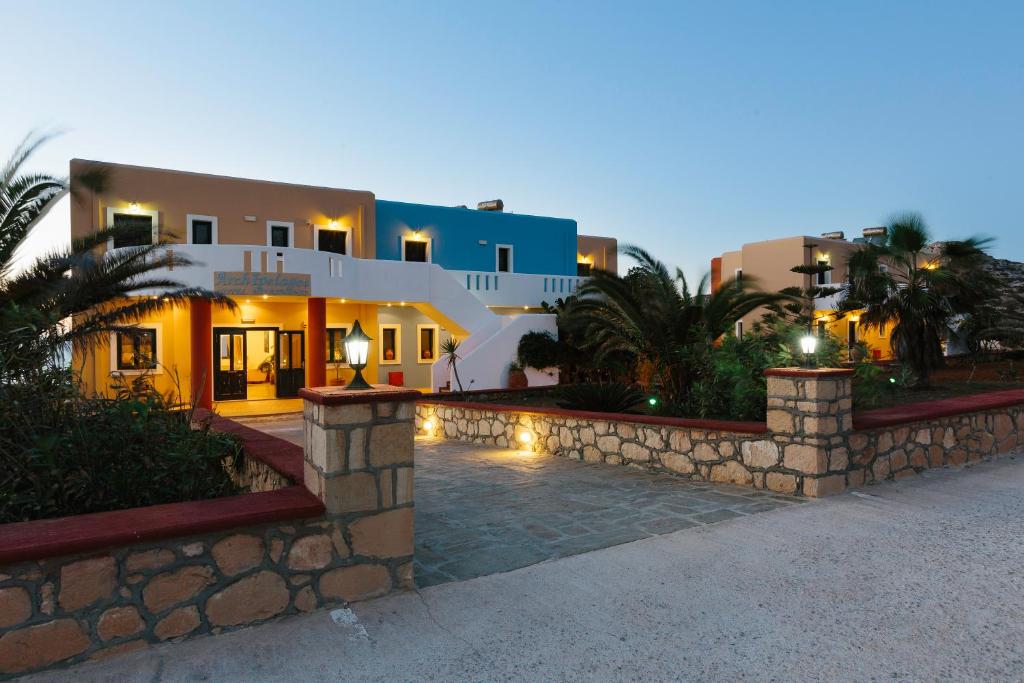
(810, 416)
(201, 352)
(316, 342)
(358, 452)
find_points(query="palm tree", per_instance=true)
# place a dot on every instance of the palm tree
(450, 352)
(99, 292)
(653, 318)
(917, 288)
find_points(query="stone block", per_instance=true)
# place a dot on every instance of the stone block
(731, 472)
(391, 444)
(15, 606)
(679, 440)
(817, 487)
(352, 414)
(608, 444)
(804, 458)
(635, 452)
(253, 598)
(780, 422)
(705, 452)
(625, 430)
(237, 553)
(326, 448)
(118, 650)
(305, 600)
(169, 589)
(358, 582)
(118, 622)
(177, 623)
(782, 387)
(838, 460)
(763, 454)
(780, 482)
(310, 552)
(403, 485)
(384, 483)
(388, 534)
(37, 646)
(87, 581)
(855, 478)
(148, 559)
(356, 492)
(677, 462)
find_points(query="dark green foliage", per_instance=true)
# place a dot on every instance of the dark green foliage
(921, 290)
(63, 454)
(871, 385)
(733, 385)
(611, 397)
(540, 350)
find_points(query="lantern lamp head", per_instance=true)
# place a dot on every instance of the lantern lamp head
(357, 347)
(808, 345)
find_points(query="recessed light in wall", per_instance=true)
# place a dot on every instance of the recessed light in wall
(389, 304)
(342, 301)
(401, 303)
(248, 301)
(264, 297)
(249, 219)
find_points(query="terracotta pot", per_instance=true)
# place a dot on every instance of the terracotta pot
(517, 379)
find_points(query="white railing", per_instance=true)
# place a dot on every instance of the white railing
(516, 289)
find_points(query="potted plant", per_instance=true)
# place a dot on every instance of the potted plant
(517, 377)
(337, 380)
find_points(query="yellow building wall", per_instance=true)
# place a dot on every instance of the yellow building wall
(174, 372)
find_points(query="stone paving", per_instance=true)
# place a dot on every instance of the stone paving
(482, 510)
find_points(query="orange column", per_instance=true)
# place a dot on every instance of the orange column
(316, 342)
(716, 273)
(201, 333)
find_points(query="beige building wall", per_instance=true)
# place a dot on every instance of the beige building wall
(176, 194)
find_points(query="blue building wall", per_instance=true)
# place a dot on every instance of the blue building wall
(541, 245)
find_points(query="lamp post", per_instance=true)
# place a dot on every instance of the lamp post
(808, 343)
(357, 346)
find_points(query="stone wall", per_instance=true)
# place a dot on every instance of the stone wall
(907, 449)
(94, 605)
(705, 450)
(132, 578)
(811, 444)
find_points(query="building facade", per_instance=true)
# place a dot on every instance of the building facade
(303, 264)
(768, 264)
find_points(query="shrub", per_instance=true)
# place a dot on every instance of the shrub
(540, 350)
(870, 385)
(64, 454)
(611, 397)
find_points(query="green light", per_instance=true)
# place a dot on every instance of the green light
(892, 380)
(653, 401)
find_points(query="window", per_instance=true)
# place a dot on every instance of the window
(426, 343)
(280, 234)
(739, 329)
(504, 258)
(582, 269)
(139, 225)
(851, 332)
(136, 349)
(822, 328)
(415, 250)
(824, 278)
(201, 229)
(334, 241)
(390, 345)
(739, 278)
(336, 345)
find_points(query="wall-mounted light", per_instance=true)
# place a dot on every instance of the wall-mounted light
(334, 225)
(133, 207)
(265, 297)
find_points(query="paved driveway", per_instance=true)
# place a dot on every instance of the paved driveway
(482, 510)
(915, 580)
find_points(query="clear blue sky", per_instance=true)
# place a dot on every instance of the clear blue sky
(688, 129)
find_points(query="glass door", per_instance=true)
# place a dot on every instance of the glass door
(228, 364)
(291, 363)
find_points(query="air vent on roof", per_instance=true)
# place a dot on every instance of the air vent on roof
(837, 235)
(876, 232)
(492, 205)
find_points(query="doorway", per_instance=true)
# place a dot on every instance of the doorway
(257, 363)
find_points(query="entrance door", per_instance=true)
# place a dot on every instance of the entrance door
(291, 357)
(229, 364)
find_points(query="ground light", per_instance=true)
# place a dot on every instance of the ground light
(525, 438)
(428, 425)
(357, 345)
(652, 401)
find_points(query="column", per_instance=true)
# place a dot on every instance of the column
(201, 340)
(316, 342)
(810, 416)
(358, 460)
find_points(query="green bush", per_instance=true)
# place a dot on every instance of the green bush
(871, 385)
(64, 454)
(611, 397)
